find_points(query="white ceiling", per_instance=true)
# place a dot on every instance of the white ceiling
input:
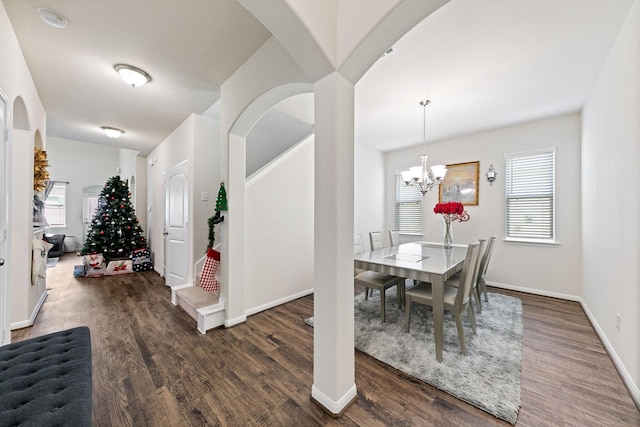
(188, 47)
(483, 64)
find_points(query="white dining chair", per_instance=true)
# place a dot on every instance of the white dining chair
(394, 238)
(378, 281)
(375, 237)
(457, 299)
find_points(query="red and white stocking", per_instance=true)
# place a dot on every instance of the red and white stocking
(208, 280)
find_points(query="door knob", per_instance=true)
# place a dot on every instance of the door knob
(166, 233)
(1, 262)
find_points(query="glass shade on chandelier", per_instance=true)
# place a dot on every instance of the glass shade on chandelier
(423, 177)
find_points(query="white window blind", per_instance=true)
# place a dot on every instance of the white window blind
(408, 207)
(55, 206)
(530, 195)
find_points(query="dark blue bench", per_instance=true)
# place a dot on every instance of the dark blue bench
(46, 381)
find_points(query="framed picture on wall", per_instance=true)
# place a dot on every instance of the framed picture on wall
(460, 184)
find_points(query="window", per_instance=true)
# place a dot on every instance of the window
(55, 205)
(408, 207)
(530, 195)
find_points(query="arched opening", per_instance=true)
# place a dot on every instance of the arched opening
(20, 116)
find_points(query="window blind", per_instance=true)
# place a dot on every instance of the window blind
(408, 207)
(55, 205)
(530, 195)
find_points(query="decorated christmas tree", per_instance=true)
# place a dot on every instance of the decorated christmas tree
(115, 230)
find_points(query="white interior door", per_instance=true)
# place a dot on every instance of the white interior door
(5, 334)
(176, 225)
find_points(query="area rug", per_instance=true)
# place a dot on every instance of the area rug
(488, 377)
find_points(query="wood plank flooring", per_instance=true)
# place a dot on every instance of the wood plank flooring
(151, 367)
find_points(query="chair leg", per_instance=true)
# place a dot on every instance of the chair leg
(366, 293)
(407, 314)
(382, 298)
(463, 348)
(472, 320)
(484, 289)
(478, 297)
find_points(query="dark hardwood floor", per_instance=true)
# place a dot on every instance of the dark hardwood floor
(151, 367)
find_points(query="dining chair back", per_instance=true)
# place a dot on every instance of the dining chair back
(394, 238)
(469, 274)
(376, 240)
(482, 271)
(454, 299)
(376, 281)
(358, 246)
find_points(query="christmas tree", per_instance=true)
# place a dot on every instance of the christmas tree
(115, 230)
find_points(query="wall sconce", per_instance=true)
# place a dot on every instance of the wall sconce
(491, 175)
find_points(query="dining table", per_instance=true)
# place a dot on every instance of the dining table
(421, 261)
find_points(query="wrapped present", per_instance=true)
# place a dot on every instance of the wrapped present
(79, 270)
(95, 265)
(141, 260)
(120, 266)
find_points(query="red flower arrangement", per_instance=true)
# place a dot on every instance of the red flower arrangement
(452, 211)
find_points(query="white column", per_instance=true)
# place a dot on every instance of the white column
(334, 360)
(233, 253)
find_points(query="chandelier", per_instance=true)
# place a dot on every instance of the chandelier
(421, 176)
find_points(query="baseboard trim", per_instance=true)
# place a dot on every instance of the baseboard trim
(632, 387)
(278, 302)
(624, 374)
(32, 320)
(567, 297)
(334, 408)
(235, 321)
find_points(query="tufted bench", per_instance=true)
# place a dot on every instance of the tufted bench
(46, 381)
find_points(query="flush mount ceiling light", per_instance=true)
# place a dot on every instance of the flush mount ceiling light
(112, 132)
(132, 75)
(52, 18)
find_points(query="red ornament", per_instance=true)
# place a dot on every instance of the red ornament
(101, 232)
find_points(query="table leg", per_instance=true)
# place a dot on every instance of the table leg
(437, 286)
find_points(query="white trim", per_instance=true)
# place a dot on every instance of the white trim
(235, 321)
(32, 320)
(632, 387)
(567, 297)
(335, 407)
(624, 374)
(278, 302)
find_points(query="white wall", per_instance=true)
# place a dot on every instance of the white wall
(196, 140)
(611, 200)
(279, 230)
(80, 164)
(369, 193)
(547, 270)
(16, 81)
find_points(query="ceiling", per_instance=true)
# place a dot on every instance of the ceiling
(483, 64)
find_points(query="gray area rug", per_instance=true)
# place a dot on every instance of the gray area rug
(488, 377)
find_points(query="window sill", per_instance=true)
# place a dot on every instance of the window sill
(527, 242)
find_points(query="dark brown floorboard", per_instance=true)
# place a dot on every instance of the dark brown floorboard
(151, 367)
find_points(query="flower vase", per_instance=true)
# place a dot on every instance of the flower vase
(447, 234)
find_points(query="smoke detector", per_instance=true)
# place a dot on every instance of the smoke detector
(52, 18)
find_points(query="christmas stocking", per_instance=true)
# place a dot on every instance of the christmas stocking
(208, 280)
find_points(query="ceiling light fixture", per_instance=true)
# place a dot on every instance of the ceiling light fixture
(132, 75)
(421, 176)
(112, 132)
(52, 18)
